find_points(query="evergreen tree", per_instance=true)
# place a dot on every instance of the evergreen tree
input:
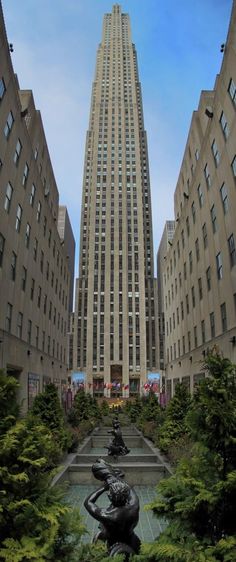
(85, 407)
(174, 425)
(199, 501)
(8, 404)
(48, 409)
(34, 523)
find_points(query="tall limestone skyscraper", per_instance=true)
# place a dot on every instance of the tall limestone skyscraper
(115, 332)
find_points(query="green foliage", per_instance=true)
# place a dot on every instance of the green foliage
(48, 409)
(133, 408)
(95, 553)
(104, 408)
(174, 426)
(85, 407)
(199, 501)
(8, 405)
(34, 522)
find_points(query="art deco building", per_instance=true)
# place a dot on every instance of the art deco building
(199, 271)
(34, 271)
(68, 241)
(115, 320)
(165, 243)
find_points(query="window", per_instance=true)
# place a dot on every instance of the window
(207, 176)
(187, 304)
(8, 317)
(233, 166)
(187, 226)
(200, 196)
(13, 266)
(197, 249)
(208, 278)
(27, 235)
(200, 288)
(224, 125)
(195, 335)
(190, 262)
(223, 317)
(32, 195)
(19, 325)
(193, 212)
(8, 197)
(9, 125)
(32, 289)
(204, 235)
(193, 297)
(35, 249)
(232, 91)
(224, 198)
(2, 88)
(232, 253)
(212, 324)
(37, 336)
(39, 296)
(215, 153)
(203, 331)
(18, 218)
(25, 174)
(29, 331)
(44, 225)
(23, 278)
(17, 152)
(219, 266)
(41, 261)
(213, 218)
(39, 208)
(2, 245)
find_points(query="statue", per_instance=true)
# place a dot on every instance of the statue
(117, 446)
(118, 520)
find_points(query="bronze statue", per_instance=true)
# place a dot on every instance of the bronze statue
(117, 446)
(118, 520)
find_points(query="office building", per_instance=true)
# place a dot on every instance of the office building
(115, 318)
(34, 271)
(166, 241)
(68, 241)
(199, 272)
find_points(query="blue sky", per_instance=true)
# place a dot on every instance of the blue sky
(178, 46)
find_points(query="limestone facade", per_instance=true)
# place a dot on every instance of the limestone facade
(199, 271)
(34, 272)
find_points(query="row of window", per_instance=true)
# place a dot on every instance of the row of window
(175, 351)
(13, 272)
(219, 266)
(50, 346)
(214, 148)
(19, 213)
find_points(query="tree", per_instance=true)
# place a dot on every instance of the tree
(34, 522)
(48, 409)
(174, 426)
(199, 501)
(84, 407)
(9, 407)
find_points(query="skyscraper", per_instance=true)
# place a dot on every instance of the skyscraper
(115, 318)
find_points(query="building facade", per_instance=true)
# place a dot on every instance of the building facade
(199, 272)
(68, 241)
(166, 241)
(115, 319)
(34, 272)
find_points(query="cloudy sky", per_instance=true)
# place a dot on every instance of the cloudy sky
(178, 46)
